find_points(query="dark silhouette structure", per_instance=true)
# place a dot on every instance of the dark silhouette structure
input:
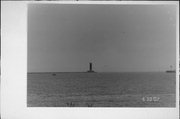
(171, 70)
(90, 68)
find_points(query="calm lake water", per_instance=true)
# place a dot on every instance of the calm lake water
(101, 90)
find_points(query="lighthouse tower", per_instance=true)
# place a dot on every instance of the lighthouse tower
(90, 68)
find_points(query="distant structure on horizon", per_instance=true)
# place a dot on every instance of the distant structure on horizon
(171, 70)
(90, 68)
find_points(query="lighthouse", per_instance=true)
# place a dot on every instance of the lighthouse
(90, 68)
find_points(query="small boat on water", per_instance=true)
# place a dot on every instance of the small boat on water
(171, 70)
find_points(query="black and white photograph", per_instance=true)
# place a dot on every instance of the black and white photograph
(89, 55)
(89, 59)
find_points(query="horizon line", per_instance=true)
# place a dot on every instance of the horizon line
(97, 72)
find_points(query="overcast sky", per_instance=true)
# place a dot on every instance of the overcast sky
(115, 38)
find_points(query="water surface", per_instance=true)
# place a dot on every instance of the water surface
(101, 89)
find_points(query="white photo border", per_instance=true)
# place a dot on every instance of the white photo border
(14, 71)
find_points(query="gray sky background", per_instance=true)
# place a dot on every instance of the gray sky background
(64, 38)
